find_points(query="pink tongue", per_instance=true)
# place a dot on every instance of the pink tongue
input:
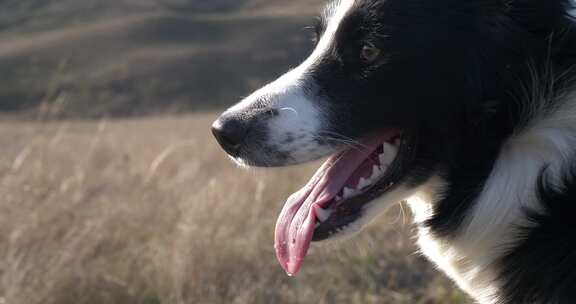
(295, 226)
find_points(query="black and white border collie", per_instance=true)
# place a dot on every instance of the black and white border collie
(465, 109)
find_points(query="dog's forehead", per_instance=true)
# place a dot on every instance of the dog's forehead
(331, 8)
(334, 7)
(337, 12)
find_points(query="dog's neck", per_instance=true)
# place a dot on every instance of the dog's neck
(491, 226)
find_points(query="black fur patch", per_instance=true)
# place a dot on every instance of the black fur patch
(463, 75)
(533, 62)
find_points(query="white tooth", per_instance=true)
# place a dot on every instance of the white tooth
(338, 198)
(317, 225)
(376, 172)
(382, 158)
(348, 192)
(322, 214)
(363, 183)
(389, 154)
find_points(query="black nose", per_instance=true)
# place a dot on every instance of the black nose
(230, 133)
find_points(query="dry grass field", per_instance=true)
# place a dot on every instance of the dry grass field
(150, 211)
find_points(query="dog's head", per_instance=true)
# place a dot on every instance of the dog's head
(396, 92)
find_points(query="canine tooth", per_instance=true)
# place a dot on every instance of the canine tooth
(323, 214)
(382, 158)
(317, 225)
(389, 154)
(376, 172)
(348, 192)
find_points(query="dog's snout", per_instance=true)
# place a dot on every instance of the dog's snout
(230, 133)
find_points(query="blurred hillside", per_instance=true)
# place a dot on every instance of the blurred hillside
(90, 58)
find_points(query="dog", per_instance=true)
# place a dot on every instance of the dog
(464, 109)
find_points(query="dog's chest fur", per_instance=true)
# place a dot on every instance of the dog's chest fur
(491, 229)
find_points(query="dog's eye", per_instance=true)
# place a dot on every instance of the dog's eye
(370, 53)
(317, 29)
(315, 38)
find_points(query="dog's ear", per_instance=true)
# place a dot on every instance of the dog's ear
(533, 15)
(538, 8)
(507, 5)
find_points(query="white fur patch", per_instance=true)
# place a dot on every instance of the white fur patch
(296, 128)
(490, 228)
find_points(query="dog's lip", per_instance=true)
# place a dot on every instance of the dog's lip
(296, 223)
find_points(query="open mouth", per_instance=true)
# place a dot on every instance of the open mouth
(337, 195)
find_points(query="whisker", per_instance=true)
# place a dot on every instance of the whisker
(289, 109)
(339, 138)
(340, 141)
